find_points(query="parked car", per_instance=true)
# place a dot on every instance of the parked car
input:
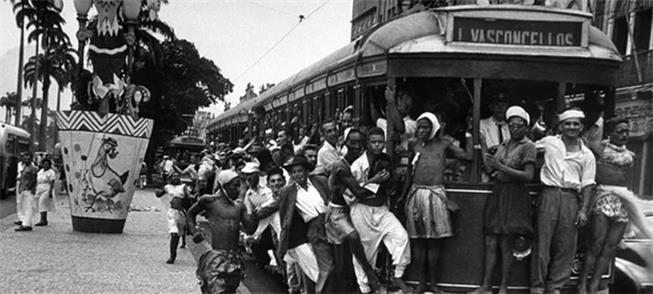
(634, 263)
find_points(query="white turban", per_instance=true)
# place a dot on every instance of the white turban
(519, 112)
(226, 176)
(434, 122)
(571, 113)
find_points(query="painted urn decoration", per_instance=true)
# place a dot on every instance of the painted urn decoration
(103, 139)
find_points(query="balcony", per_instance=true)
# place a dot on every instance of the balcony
(627, 75)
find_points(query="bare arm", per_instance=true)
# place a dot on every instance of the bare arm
(586, 196)
(267, 210)
(466, 154)
(248, 221)
(198, 207)
(353, 186)
(521, 175)
(391, 109)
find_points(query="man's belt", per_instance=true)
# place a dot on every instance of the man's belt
(570, 190)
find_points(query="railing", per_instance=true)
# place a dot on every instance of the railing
(628, 74)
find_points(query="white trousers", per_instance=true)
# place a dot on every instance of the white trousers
(19, 203)
(304, 256)
(30, 203)
(375, 225)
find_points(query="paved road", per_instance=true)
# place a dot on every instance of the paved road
(55, 259)
(7, 206)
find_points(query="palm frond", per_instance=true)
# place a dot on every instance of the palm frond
(159, 27)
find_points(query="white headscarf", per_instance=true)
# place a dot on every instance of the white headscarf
(226, 176)
(434, 122)
(518, 111)
(571, 113)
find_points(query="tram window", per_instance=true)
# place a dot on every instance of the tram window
(642, 29)
(620, 33)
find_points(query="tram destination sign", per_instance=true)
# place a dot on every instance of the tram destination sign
(517, 32)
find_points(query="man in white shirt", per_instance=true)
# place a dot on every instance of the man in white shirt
(302, 208)
(494, 129)
(372, 218)
(25, 160)
(328, 153)
(257, 196)
(568, 177)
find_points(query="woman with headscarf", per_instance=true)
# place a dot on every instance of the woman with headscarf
(427, 207)
(615, 210)
(507, 216)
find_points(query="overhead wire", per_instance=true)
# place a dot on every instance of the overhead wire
(302, 18)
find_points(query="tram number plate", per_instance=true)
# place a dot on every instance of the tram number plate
(517, 32)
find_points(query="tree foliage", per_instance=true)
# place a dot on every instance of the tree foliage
(182, 82)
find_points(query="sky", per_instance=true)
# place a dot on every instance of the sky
(232, 33)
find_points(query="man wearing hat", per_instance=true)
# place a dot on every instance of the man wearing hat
(302, 208)
(220, 269)
(568, 177)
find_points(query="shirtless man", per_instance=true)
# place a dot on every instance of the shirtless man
(221, 268)
(427, 210)
(339, 226)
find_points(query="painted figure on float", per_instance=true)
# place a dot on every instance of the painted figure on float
(103, 138)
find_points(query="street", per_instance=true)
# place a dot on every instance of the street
(55, 259)
(7, 206)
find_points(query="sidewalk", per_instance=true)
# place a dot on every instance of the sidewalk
(55, 259)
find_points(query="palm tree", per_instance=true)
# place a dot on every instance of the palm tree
(20, 17)
(57, 63)
(66, 62)
(46, 22)
(9, 102)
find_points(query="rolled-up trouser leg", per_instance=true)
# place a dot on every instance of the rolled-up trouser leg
(306, 260)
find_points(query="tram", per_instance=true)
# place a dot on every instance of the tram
(455, 58)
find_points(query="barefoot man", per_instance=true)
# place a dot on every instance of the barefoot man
(427, 207)
(220, 270)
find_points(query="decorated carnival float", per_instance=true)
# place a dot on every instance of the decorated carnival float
(103, 139)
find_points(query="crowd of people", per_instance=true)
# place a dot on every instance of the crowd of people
(302, 195)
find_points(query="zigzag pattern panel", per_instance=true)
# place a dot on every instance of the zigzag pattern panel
(110, 123)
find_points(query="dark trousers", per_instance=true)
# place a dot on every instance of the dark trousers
(260, 248)
(555, 244)
(323, 252)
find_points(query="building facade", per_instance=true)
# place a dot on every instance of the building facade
(629, 24)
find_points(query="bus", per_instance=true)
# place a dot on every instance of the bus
(455, 58)
(13, 141)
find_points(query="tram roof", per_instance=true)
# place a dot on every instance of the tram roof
(426, 32)
(189, 141)
(15, 130)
